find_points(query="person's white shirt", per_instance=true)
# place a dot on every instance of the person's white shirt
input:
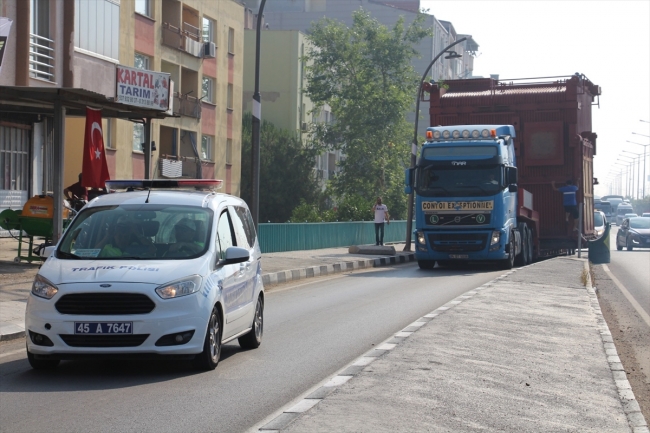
(380, 213)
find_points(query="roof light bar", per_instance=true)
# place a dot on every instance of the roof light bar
(210, 184)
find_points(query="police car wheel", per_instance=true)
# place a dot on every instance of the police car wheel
(253, 339)
(41, 364)
(209, 358)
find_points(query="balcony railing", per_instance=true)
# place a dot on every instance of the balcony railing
(186, 105)
(188, 39)
(41, 57)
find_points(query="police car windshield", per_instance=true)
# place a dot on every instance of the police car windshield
(138, 233)
(446, 181)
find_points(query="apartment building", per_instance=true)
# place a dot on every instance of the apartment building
(78, 45)
(282, 88)
(299, 15)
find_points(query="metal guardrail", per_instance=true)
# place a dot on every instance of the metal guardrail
(275, 237)
(41, 57)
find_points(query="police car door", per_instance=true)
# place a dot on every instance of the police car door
(244, 239)
(233, 283)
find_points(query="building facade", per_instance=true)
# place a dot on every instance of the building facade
(78, 44)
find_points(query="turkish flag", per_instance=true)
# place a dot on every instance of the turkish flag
(94, 172)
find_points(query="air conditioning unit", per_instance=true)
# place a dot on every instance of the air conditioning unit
(303, 127)
(209, 50)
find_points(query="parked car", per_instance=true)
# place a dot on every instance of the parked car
(149, 272)
(633, 233)
(645, 214)
(600, 220)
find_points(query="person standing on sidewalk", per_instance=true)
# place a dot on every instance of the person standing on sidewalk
(381, 215)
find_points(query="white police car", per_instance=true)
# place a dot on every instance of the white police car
(154, 271)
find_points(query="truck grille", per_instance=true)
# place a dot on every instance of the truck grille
(458, 243)
(453, 219)
(104, 304)
(104, 340)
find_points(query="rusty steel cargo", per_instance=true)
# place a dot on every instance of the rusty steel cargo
(553, 141)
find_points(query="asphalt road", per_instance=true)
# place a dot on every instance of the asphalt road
(312, 330)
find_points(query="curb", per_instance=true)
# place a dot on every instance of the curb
(335, 268)
(12, 336)
(635, 418)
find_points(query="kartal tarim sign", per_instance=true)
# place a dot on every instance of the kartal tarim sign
(142, 88)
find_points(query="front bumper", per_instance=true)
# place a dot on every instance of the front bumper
(460, 245)
(172, 316)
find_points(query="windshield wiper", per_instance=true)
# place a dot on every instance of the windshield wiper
(64, 255)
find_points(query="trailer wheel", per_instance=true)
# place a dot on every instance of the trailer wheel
(529, 237)
(522, 258)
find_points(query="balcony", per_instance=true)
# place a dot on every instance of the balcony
(186, 105)
(41, 58)
(187, 39)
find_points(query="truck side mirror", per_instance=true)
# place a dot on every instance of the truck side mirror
(511, 175)
(512, 187)
(408, 175)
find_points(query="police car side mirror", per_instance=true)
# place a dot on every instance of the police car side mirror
(235, 255)
(47, 251)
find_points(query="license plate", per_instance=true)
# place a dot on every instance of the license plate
(458, 256)
(98, 328)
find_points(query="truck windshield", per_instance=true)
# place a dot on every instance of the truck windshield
(472, 181)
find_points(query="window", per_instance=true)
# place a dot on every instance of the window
(108, 133)
(230, 97)
(206, 147)
(208, 90)
(141, 61)
(231, 40)
(244, 227)
(143, 7)
(224, 235)
(97, 27)
(138, 137)
(229, 151)
(208, 30)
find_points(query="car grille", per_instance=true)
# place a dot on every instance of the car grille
(104, 340)
(103, 304)
(457, 243)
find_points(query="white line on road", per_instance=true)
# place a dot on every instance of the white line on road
(628, 295)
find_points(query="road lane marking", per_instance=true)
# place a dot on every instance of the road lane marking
(628, 295)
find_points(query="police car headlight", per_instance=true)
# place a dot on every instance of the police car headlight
(421, 239)
(43, 288)
(496, 236)
(178, 288)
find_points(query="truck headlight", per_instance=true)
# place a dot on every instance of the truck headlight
(495, 238)
(178, 288)
(43, 288)
(421, 239)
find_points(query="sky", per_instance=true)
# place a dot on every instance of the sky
(607, 41)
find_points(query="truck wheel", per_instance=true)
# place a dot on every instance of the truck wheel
(531, 253)
(510, 261)
(522, 257)
(426, 264)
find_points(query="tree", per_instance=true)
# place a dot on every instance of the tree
(364, 74)
(286, 171)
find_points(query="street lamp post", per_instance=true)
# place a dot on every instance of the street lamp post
(257, 115)
(630, 171)
(644, 159)
(638, 171)
(414, 147)
(626, 176)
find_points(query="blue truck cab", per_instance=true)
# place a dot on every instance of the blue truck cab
(465, 184)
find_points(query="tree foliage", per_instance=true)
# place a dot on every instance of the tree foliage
(286, 171)
(364, 74)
